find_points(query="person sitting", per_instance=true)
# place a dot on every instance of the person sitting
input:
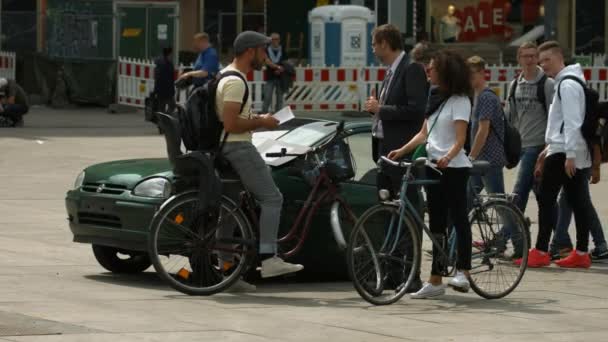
(14, 103)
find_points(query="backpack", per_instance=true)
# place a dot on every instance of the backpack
(201, 128)
(593, 129)
(540, 91)
(511, 141)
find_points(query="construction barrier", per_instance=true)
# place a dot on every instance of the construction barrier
(7, 64)
(322, 88)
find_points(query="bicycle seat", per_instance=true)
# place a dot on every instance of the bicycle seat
(480, 167)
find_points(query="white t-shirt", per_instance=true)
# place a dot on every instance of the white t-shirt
(232, 89)
(443, 135)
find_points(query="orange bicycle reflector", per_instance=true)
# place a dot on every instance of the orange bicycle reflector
(227, 265)
(183, 273)
(179, 219)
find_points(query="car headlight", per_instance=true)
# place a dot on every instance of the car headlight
(154, 187)
(79, 180)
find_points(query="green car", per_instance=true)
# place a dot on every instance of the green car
(112, 204)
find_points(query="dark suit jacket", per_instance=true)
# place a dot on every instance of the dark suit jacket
(402, 115)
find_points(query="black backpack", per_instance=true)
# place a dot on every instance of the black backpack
(511, 141)
(592, 129)
(540, 91)
(201, 128)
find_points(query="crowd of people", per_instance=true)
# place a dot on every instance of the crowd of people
(546, 105)
(440, 102)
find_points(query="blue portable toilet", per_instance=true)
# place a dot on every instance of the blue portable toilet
(340, 35)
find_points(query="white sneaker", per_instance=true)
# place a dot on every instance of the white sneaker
(241, 286)
(429, 290)
(275, 266)
(460, 282)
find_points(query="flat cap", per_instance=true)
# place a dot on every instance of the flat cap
(249, 39)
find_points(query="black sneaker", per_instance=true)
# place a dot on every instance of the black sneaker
(599, 254)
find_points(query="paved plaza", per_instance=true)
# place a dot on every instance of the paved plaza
(52, 289)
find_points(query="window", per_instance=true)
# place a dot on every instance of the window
(361, 149)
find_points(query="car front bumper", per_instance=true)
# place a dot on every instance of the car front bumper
(120, 221)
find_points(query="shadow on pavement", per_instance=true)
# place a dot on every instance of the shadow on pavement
(145, 280)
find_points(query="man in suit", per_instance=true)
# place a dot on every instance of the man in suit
(398, 114)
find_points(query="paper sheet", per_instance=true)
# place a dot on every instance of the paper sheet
(284, 115)
(271, 146)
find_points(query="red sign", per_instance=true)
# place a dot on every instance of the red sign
(485, 20)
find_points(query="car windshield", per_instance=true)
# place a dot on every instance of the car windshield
(310, 134)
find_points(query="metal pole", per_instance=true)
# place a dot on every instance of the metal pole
(201, 13)
(605, 28)
(376, 11)
(239, 16)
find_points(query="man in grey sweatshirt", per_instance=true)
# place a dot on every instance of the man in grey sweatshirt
(530, 96)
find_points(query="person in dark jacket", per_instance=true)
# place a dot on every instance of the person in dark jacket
(164, 89)
(398, 111)
(275, 69)
(14, 103)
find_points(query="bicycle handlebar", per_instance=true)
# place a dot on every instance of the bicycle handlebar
(418, 162)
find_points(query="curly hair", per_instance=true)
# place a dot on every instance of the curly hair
(453, 72)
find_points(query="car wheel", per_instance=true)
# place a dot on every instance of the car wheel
(121, 261)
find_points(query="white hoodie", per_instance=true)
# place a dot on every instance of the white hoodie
(569, 111)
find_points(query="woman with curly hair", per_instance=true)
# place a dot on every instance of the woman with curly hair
(445, 131)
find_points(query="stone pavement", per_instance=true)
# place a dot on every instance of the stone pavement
(53, 290)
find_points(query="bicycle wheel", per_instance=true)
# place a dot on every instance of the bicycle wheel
(382, 259)
(499, 237)
(200, 252)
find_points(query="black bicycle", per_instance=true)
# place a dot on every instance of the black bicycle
(384, 251)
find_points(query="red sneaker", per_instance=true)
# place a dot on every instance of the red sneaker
(536, 258)
(574, 260)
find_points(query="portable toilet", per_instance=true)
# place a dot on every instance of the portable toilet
(340, 35)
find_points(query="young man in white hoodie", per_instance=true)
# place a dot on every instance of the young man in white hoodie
(562, 161)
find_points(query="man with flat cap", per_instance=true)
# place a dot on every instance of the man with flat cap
(233, 105)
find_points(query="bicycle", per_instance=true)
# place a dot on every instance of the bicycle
(384, 250)
(199, 250)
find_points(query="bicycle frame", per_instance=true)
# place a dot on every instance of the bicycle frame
(324, 190)
(406, 206)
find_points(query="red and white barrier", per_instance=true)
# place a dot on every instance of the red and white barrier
(320, 88)
(7, 64)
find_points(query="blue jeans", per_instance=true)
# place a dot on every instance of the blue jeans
(524, 184)
(561, 237)
(493, 182)
(273, 86)
(525, 176)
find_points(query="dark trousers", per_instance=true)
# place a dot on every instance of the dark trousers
(15, 112)
(450, 196)
(577, 194)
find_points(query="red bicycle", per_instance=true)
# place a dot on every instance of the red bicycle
(199, 251)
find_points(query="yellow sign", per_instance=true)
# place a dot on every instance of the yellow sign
(131, 32)
(322, 3)
(142, 87)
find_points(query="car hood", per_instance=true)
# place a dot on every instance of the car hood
(127, 173)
